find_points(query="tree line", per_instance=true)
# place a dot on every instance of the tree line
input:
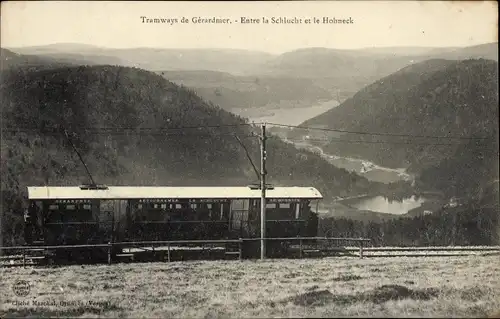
(468, 225)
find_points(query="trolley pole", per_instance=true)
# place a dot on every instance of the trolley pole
(263, 194)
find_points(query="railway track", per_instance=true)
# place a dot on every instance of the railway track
(179, 253)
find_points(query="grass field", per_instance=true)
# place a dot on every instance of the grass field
(330, 287)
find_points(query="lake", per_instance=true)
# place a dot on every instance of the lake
(383, 205)
(289, 113)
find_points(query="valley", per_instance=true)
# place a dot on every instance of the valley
(369, 205)
(360, 178)
(360, 166)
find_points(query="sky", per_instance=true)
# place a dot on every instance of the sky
(117, 24)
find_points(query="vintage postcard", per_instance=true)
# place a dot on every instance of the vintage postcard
(205, 159)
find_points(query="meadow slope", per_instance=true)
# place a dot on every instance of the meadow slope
(379, 287)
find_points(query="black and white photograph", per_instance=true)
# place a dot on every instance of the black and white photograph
(249, 159)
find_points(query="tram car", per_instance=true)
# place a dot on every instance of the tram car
(84, 215)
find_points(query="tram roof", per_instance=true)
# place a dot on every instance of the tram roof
(151, 192)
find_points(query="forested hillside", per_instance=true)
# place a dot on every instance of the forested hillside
(434, 98)
(117, 97)
(469, 173)
(372, 100)
(106, 110)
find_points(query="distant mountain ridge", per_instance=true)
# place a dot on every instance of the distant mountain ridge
(158, 59)
(341, 73)
(409, 51)
(487, 51)
(304, 62)
(370, 63)
(10, 59)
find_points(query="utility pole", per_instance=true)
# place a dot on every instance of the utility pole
(1, 228)
(263, 194)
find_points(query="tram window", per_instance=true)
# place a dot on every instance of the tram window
(285, 205)
(70, 207)
(271, 205)
(53, 216)
(239, 204)
(155, 205)
(209, 206)
(178, 206)
(139, 206)
(163, 206)
(193, 206)
(87, 206)
(53, 207)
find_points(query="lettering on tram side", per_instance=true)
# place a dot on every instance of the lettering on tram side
(177, 200)
(283, 200)
(203, 200)
(161, 200)
(71, 201)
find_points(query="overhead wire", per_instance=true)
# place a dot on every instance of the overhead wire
(125, 128)
(375, 133)
(162, 129)
(174, 131)
(369, 142)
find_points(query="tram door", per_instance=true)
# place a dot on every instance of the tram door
(120, 218)
(111, 218)
(239, 216)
